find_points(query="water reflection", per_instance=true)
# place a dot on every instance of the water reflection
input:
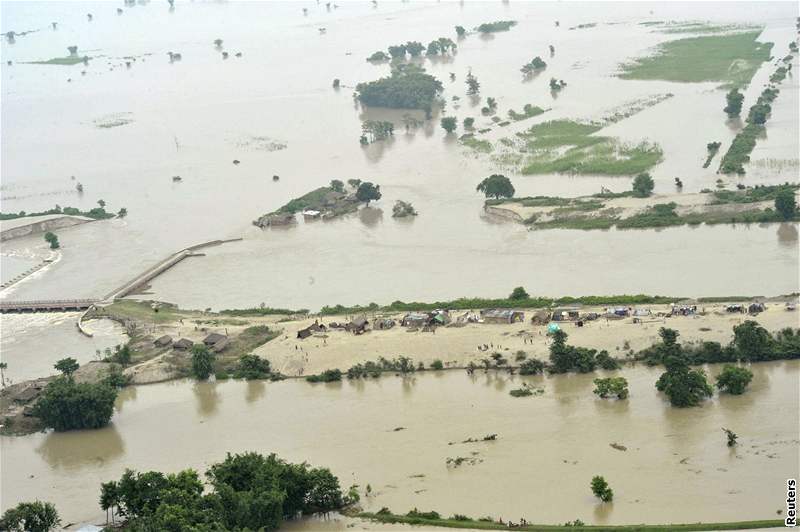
(74, 449)
(787, 235)
(125, 395)
(370, 216)
(602, 511)
(207, 397)
(255, 390)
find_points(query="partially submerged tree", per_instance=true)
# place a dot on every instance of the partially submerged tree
(611, 386)
(73, 50)
(67, 405)
(734, 379)
(368, 191)
(601, 489)
(473, 86)
(449, 123)
(52, 239)
(683, 387)
(460, 31)
(496, 186)
(734, 99)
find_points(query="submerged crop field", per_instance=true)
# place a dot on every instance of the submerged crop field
(731, 58)
(566, 146)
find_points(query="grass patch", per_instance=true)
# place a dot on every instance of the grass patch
(65, 61)
(461, 521)
(733, 58)
(565, 146)
(528, 111)
(479, 145)
(751, 195)
(262, 311)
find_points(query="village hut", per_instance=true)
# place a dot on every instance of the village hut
(183, 344)
(163, 341)
(213, 339)
(498, 315)
(382, 324)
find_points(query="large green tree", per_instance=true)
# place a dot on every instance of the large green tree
(67, 366)
(785, 203)
(683, 387)
(34, 516)
(734, 379)
(642, 185)
(752, 341)
(368, 191)
(202, 362)
(734, 99)
(449, 123)
(67, 405)
(496, 186)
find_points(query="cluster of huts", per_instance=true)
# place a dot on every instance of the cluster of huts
(752, 308)
(215, 342)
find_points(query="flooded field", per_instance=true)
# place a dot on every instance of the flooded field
(675, 458)
(283, 118)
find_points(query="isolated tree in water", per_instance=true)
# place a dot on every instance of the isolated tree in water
(734, 99)
(683, 386)
(3, 367)
(52, 239)
(473, 87)
(601, 489)
(449, 123)
(496, 186)
(367, 192)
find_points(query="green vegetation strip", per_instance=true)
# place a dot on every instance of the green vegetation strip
(733, 58)
(98, 213)
(566, 146)
(65, 61)
(385, 517)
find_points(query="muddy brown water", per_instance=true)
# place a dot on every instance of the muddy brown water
(194, 117)
(677, 467)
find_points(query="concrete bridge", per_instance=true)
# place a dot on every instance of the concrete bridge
(56, 305)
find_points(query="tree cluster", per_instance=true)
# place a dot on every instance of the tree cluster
(247, 492)
(67, 405)
(408, 87)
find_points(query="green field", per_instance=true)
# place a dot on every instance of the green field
(732, 58)
(565, 146)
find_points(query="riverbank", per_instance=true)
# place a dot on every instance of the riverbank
(479, 524)
(301, 345)
(625, 211)
(31, 225)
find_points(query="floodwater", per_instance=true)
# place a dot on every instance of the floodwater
(32, 343)
(194, 117)
(677, 467)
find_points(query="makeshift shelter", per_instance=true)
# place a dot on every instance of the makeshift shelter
(183, 344)
(496, 315)
(415, 319)
(540, 317)
(383, 324)
(163, 341)
(358, 325)
(221, 345)
(755, 308)
(553, 327)
(735, 308)
(566, 314)
(304, 333)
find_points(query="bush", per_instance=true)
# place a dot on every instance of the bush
(437, 364)
(643, 185)
(785, 203)
(449, 123)
(252, 367)
(532, 366)
(612, 386)
(67, 405)
(424, 515)
(468, 122)
(734, 379)
(329, 375)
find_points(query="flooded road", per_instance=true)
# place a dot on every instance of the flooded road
(677, 467)
(283, 118)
